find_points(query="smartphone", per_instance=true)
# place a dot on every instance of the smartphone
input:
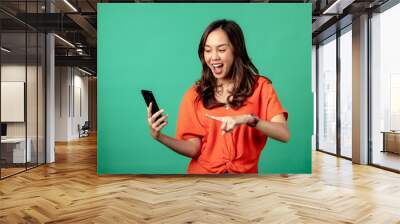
(149, 97)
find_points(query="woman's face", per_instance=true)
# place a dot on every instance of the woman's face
(218, 53)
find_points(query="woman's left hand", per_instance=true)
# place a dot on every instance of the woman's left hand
(230, 122)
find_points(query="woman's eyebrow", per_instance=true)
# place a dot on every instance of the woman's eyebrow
(220, 45)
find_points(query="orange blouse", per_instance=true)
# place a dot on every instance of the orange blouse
(234, 152)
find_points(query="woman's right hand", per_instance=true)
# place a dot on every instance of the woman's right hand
(156, 125)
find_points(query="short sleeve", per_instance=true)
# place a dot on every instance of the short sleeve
(270, 104)
(188, 125)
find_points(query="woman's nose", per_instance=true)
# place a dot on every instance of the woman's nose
(215, 55)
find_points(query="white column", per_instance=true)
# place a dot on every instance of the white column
(50, 92)
(360, 90)
(50, 99)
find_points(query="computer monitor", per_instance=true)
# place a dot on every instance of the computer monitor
(3, 129)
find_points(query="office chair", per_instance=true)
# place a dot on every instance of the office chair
(84, 130)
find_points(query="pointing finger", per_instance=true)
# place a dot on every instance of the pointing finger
(223, 126)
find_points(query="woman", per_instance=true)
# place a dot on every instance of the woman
(225, 118)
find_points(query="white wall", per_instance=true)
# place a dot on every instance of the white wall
(33, 127)
(13, 73)
(62, 81)
(71, 93)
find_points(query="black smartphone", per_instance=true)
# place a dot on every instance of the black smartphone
(149, 97)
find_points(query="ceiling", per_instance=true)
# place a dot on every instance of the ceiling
(76, 22)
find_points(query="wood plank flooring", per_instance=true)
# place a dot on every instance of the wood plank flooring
(70, 191)
(10, 171)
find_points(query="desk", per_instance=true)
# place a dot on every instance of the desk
(391, 141)
(16, 148)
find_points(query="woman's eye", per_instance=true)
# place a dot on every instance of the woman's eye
(207, 51)
(222, 50)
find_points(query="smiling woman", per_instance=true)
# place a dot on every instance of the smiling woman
(222, 52)
(218, 53)
(226, 117)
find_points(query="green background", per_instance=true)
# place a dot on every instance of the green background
(154, 46)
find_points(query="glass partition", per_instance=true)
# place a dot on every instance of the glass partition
(22, 88)
(14, 153)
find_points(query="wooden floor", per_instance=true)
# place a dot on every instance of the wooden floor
(5, 172)
(70, 191)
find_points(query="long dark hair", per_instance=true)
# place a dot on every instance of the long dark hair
(242, 73)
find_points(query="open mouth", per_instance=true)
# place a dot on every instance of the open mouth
(217, 68)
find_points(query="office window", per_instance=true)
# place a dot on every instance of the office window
(327, 95)
(385, 88)
(346, 92)
(314, 91)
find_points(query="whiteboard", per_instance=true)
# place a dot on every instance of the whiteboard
(12, 101)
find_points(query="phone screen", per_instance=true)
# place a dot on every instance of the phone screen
(149, 97)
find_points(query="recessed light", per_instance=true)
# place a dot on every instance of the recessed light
(64, 40)
(70, 5)
(5, 50)
(84, 71)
